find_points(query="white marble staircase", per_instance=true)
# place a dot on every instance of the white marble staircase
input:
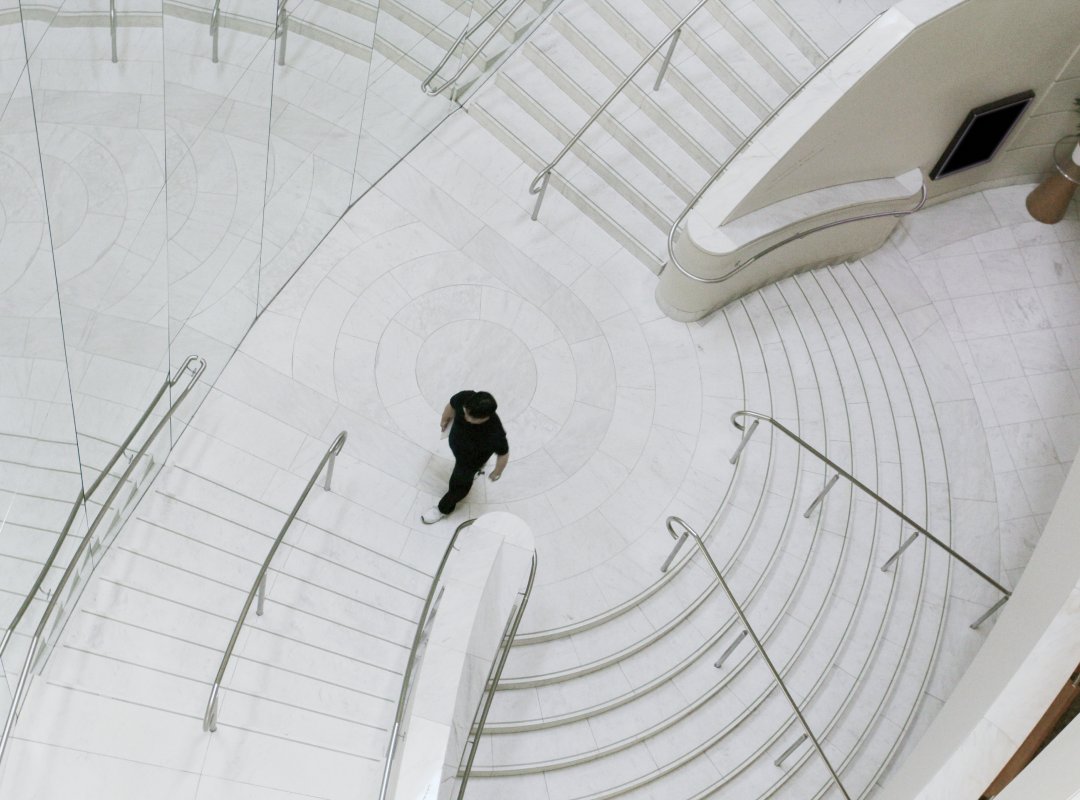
(310, 694)
(629, 704)
(637, 167)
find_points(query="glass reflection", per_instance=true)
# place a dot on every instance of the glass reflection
(101, 138)
(320, 80)
(217, 117)
(39, 465)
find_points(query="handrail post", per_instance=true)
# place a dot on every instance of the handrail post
(283, 32)
(795, 746)
(210, 719)
(907, 543)
(760, 647)
(262, 596)
(821, 495)
(674, 552)
(667, 59)
(112, 28)
(215, 24)
(974, 625)
(730, 648)
(329, 471)
(540, 195)
(745, 441)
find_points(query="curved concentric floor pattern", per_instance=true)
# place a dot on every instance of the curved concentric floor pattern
(617, 417)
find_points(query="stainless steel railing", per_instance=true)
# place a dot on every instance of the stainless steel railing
(426, 86)
(919, 530)
(492, 684)
(672, 258)
(739, 267)
(543, 177)
(282, 32)
(112, 27)
(690, 532)
(193, 365)
(423, 628)
(215, 26)
(259, 586)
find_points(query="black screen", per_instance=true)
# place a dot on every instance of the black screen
(981, 134)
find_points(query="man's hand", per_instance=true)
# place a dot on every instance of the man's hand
(447, 417)
(495, 475)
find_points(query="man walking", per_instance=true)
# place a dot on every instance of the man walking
(477, 432)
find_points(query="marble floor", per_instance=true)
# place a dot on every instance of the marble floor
(437, 280)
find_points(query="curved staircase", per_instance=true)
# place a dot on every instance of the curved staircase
(630, 704)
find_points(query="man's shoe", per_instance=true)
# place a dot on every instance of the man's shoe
(431, 516)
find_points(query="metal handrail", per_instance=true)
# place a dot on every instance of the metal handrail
(672, 258)
(540, 182)
(215, 24)
(259, 586)
(418, 640)
(426, 86)
(86, 494)
(919, 529)
(739, 267)
(493, 682)
(83, 496)
(112, 27)
(688, 531)
(282, 31)
(37, 640)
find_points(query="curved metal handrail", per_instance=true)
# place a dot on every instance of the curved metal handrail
(493, 683)
(426, 86)
(672, 258)
(688, 531)
(37, 640)
(215, 24)
(539, 184)
(795, 237)
(259, 586)
(112, 27)
(86, 494)
(426, 615)
(919, 529)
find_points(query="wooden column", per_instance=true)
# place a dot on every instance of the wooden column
(1049, 201)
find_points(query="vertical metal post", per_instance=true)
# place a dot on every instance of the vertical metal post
(729, 649)
(112, 27)
(667, 59)
(990, 611)
(215, 22)
(262, 595)
(745, 440)
(211, 721)
(540, 195)
(821, 496)
(674, 552)
(329, 471)
(283, 32)
(898, 553)
(789, 751)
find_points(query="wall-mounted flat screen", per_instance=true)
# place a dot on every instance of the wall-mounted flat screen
(983, 132)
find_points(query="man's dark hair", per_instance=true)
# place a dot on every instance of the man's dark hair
(481, 405)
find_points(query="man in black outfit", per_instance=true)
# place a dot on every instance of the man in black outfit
(476, 434)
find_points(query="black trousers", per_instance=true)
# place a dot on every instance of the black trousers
(461, 481)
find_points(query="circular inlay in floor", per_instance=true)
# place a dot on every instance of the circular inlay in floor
(480, 355)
